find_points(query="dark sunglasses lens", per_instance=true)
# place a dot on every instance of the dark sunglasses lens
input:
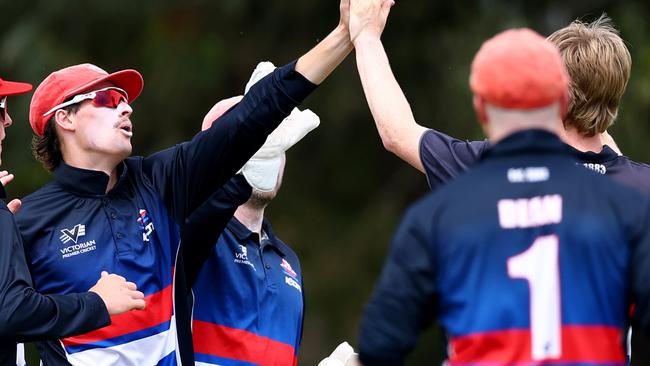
(108, 98)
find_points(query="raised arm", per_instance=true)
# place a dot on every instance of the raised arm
(321, 60)
(188, 174)
(399, 131)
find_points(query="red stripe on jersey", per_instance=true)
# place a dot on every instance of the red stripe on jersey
(158, 309)
(237, 344)
(580, 344)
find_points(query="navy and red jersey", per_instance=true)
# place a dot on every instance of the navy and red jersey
(523, 260)
(74, 229)
(444, 157)
(248, 301)
(26, 315)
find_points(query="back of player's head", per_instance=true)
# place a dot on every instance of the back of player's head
(519, 69)
(598, 63)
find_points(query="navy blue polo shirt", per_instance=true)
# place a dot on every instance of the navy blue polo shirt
(248, 301)
(523, 259)
(26, 315)
(75, 229)
(445, 157)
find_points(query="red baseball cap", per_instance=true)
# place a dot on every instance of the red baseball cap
(519, 69)
(13, 88)
(66, 83)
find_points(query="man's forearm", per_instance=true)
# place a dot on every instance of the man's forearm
(392, 113)
(320, 61)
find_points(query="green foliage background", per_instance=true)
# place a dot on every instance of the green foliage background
(343, 194)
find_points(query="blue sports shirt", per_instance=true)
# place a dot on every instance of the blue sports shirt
(74, 229)
(523, 260)
(248, 307)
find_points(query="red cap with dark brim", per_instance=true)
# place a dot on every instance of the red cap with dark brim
(13, 88)
(66, 83)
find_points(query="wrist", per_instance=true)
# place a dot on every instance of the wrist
(366, 37)
(342, 31)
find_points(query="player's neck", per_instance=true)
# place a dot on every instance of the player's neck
(581, 142)
(98, 163)
(251, 217)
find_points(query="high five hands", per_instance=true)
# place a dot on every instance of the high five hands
(367, 17)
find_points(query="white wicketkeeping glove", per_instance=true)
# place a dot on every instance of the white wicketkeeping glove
(263, 168)
(343, 355)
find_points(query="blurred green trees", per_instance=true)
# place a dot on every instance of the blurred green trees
(343, 194)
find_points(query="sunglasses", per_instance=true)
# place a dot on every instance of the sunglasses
(109, 97)
(3, 109)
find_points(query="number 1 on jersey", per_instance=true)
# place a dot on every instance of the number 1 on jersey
(539, 265)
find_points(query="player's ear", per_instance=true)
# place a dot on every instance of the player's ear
(63, 120)
(564, 105)
(479, 109)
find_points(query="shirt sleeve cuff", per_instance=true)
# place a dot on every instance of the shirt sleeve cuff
(98, 307)
(292, 83)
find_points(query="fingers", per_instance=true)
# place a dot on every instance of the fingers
(6, 177)
(131, 286)
(385, 8)
(118, 277)
(112, 276)
(139, 304)
(138, 301)
(14, 205)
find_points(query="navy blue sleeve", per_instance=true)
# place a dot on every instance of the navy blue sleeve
(204, 226)
(26, 315)
(187, 174)
(403, 302)
(640, 272)
(445, 157)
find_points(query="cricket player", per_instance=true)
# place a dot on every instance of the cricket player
(26, 315)
(524, 259)
(108, 211)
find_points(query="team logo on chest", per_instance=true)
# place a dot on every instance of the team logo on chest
(70, 237)
(73, 234)
(291, 277)
(241, 257)
(286, 268)
(145, 224)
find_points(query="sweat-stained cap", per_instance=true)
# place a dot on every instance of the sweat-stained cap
(519, 69)
(13, 88)
(66, 83)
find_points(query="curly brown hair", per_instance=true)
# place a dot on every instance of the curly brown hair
(47, 148)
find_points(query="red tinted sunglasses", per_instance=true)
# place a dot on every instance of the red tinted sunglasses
(3, 109)
(109, 97)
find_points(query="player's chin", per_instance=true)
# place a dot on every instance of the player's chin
(125, 151)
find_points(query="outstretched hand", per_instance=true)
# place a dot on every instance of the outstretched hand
(6, 178)
(368, 17)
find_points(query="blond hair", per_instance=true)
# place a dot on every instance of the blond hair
(598, 63)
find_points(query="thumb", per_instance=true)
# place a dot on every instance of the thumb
(14, 205)
(385, 8)
(104, 273)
